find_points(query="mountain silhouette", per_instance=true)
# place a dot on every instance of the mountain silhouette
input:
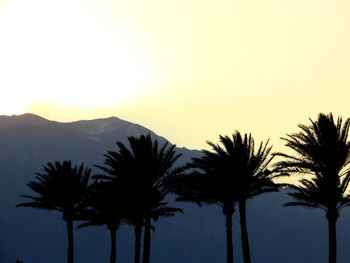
(28, 141)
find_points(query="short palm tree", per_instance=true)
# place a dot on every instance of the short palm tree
(60, 187)
(227, 175)
(142, 168)
(104, 205)
(322, 155)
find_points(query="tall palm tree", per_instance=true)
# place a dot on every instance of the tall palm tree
(251, 175)
(143, 168)
(117, 170)
(322, 155)
(226, 175)
(104, 205)
(60, 187)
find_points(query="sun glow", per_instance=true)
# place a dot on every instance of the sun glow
(61, 51)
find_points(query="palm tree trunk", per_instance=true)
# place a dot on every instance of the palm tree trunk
(147, 240)
(332, 239)
(138, 231)
(229, 243)
(70, 252)
(244, 231)
(113, 256)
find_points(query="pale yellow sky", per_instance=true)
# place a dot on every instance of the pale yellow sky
(187, 69)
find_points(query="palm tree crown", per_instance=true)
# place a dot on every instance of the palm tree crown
(59, 187)
(323, 154)
(141, 171)
(246, 170)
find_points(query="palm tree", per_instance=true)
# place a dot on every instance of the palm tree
(322, 155)
(117, 169)
(60, 187)
(104, 205)
(143, 169)
(251, 175)
(229, 174)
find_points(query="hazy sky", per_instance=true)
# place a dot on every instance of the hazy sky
(187, 69)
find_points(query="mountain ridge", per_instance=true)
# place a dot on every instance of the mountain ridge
(97, 124)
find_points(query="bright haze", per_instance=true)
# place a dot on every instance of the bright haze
(187, 69)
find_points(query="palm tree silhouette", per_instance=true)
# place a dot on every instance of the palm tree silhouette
(104, 205)
(229, 174)
(322, 154)
(117, 170)
(60, 187)
(251, 175)
(143, 169)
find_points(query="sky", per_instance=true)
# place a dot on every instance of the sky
(188, 69)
